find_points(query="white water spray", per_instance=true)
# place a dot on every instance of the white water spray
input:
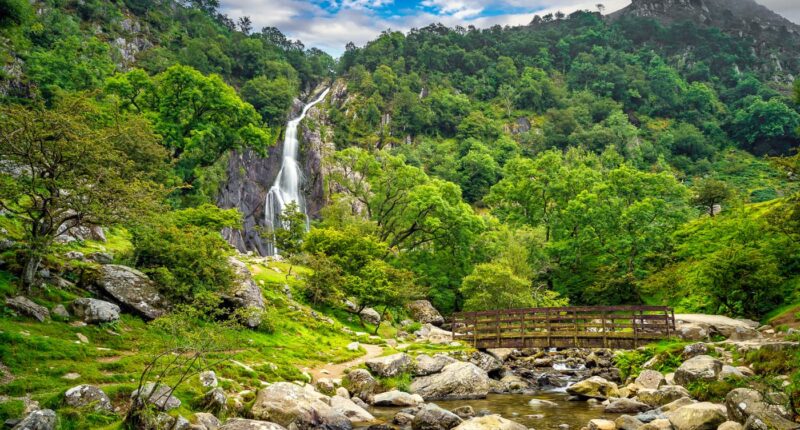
(286, 188)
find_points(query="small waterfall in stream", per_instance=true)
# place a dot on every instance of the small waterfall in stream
(286, 188)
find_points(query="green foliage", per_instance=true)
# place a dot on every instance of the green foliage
(494, 286)
(710, 192)
(270, 97)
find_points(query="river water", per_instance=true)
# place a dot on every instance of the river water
(516, 407)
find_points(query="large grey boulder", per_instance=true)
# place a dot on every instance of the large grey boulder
(432, 417)
(594, 388)
(360, 384)
(87, 395)
(458, 380)
(626, 406)
(95, 311)
(432, 334)
(627, 422)
(397, 398)
(424, 312)
(289, 405)
(356, 414)
(159, 396)
(245, 294)
(698, 416)
(243, 424)
(26, 307)
(370, 316)
(133, 289)
(700, 368)
(43, 419)
(490, 422)
(664, 395)
(208, 421)
(426, 365)
(488, 363)
(747, 406)
(652, 379)
(390, 365)
(711, 324)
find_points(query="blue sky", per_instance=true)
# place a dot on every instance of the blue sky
(331, 24)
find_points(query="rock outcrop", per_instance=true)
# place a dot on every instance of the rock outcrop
(27, 307)
(700, 368)
(245, 294)
(458, 380)
(289, 405)
(132, 289)
(87, 396)
(95, 311)
(390, 365)
(424, 312)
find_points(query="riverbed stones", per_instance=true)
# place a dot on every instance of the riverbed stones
(289, 404)
(627, 422)
(490, 422)
(659, 424)
(390, 365)
(730, 425)
(243, 424)
(360, 383)
(43, 419)
(487, 362)
(83, 396)
(626, 406)
(671, 406)
(459, 380)
(698, 416)
(133, 289)
(426, 365)
(27, 307)
(397, 398)
(651, 379)
(594, 388)
(424, 312)
(93, 311)
(432, 417)
(159, 396)
(601, 424)
(355, 413)
(464, 412)
(662, 396)
(501, 354)
(747, 406)
(207, 421)
(700, 368)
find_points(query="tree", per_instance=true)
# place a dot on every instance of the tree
(710, 193)
(765, 123)
(291, 230)
(61, 173)
(245, 24)
(272, 98)
(494, 286)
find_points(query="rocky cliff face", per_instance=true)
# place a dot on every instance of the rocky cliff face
(776, 39)
(250, 176)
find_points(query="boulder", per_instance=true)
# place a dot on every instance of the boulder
(723, 325)
(214, 400)
(208, 379)
(26, 307)
(698, 416)
(694, 349)
(501, 354)
(464, 412)
(243, 424)
(594, 388)
(391, 365)
(457, 380)
(101, 257)
(512, 383)
(43, 419)
(730, 372)
(432, 417)
(360, 384)
(490, 422)
(133, 289)
(245, 294)
(537, 403)
(159, 396)
(426, 365)
(651, 379)
(744, 333)
(342, 392)
(662, 396)
(403, 419)
(83, 396)
(747, 406)
(601, 424)
(659, 424)
(208, 421)
(356, 414)
(627, 422)
(95, 311)
(432, 334)
(730, 425)
(370, 316)
(60, 311)
(325, 386)
(290, 405)
(424, 312)
(689, 331)
(397, 398)
(700, 368)
(626, 406)
(488, 363)
(671, 406)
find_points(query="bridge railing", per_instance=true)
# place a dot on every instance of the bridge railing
(565, 327)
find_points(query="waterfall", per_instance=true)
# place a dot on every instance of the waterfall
(286, 188)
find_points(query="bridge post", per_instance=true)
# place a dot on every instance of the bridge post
(475, 330)
(522, 328)
(575, 334)
(605, 334)
(547, 317)
(497, 329)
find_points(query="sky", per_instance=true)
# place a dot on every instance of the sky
(331, 24)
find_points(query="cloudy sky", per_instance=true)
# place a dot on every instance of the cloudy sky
(330, 24)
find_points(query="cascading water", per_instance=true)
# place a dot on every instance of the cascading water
(286, 188)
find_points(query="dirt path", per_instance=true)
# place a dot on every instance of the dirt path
(334, 371)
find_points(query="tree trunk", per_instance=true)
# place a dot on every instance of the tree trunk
(29, 273)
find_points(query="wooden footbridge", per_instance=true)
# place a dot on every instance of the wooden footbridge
(621, 327)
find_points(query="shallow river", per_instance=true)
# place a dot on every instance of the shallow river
(515, 407)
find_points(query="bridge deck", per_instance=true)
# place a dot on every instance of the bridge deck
(565, 327)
